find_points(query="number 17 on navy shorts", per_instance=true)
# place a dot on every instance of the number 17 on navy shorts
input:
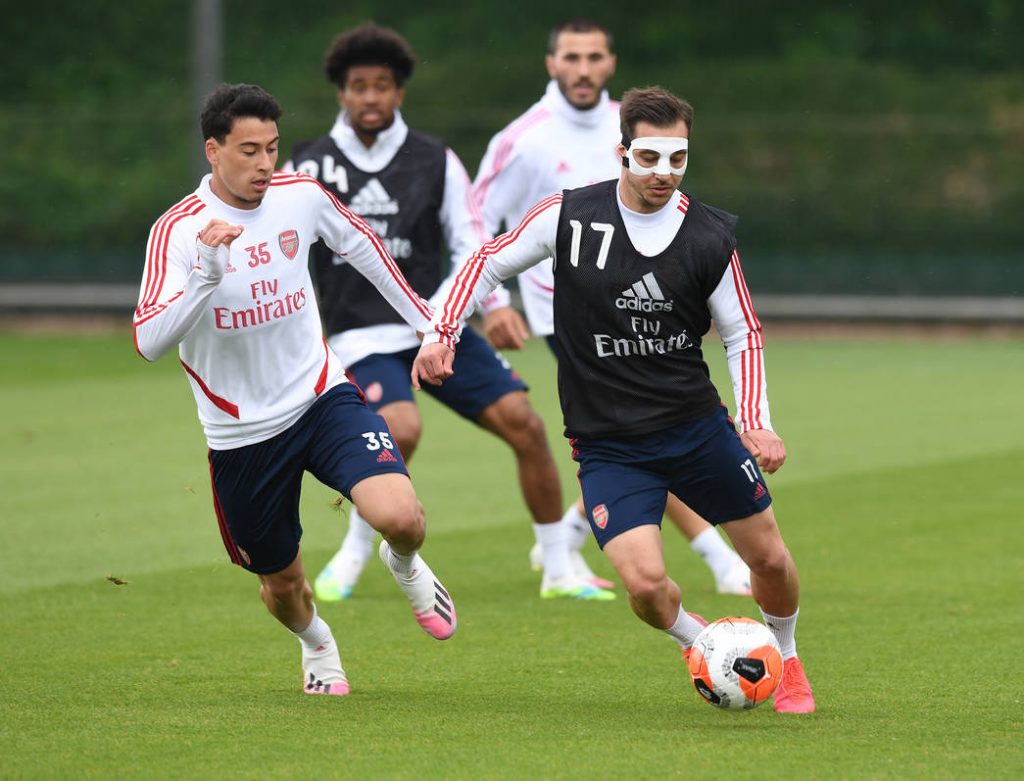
(704, 463)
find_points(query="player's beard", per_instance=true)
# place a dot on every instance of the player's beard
(566, 89)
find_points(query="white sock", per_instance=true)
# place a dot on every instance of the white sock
(710, 546)
(551, 537)
(784, 630)
(360, 536)
(316, 634)
(347, 563)
(577, 528)
(401, 564)
(685, 630)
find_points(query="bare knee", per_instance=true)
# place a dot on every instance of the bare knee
(646, 586)
(404, 525)
(645, 592)
(514, 419)
(770, 561)
(761, 546)
(284, 586)
(405, 424)
(397, 515)
(406, 435)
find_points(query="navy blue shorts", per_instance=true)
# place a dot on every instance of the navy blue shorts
(481, 377)
(626, 481)
(338, 440)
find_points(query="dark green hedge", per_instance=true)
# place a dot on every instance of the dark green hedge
(838, 131)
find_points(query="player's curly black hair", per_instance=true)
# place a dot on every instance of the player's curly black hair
(369, 44)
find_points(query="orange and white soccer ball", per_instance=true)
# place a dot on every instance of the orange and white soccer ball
(735, 663)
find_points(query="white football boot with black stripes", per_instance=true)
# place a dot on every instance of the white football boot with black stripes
(431, 603)
(323, 671)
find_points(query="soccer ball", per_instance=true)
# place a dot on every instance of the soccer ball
(735, 663)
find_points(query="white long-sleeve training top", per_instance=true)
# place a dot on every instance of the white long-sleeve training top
(553, 146)
(250, 339)
(534, 239)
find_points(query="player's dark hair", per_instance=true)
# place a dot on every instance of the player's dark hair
(234, 101)
(578, 24)
(369, 44)
(654, 105)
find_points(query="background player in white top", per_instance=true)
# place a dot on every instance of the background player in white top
(226, 281)
(414, 192)
(641, 272)
(567, 139)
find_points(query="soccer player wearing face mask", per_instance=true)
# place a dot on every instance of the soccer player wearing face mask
(414, 192)
(641, 272)
(567, 139)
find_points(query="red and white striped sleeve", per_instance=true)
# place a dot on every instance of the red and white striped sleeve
(351, 237)
(737, 324)
(532, 241)
(174, 288)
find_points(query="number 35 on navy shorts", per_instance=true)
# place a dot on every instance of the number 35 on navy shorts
(703, 462)
(338, 440)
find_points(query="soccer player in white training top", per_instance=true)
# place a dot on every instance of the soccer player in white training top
(567, 139)
(641, 271)
(226, 281)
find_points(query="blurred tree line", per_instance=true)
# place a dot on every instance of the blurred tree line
(866, 146)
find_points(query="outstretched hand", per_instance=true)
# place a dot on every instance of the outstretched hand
(767, 447)
(433, 364)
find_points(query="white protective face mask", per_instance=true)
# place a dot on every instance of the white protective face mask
(665, 147)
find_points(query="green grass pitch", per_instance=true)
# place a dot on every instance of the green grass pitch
(901, 501)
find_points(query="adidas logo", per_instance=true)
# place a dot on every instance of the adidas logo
(373, 199)
(385, 456)
(644, 296)
(442, 602)
(759, 492)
